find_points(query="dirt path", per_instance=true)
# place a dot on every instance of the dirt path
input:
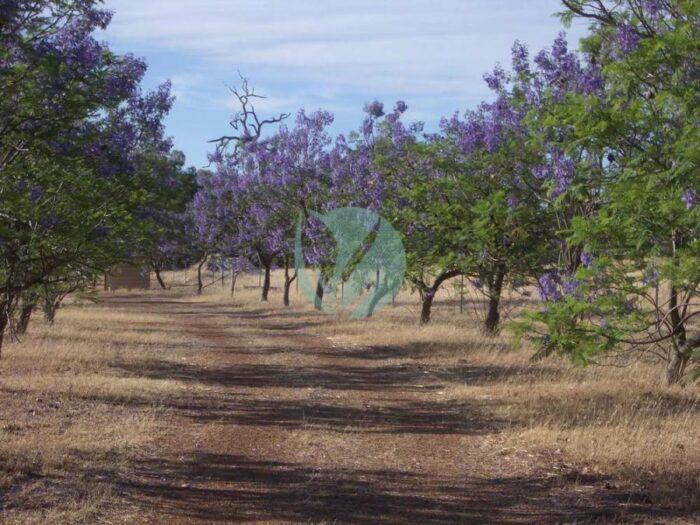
(292, 429)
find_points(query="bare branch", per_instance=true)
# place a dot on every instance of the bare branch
(246, 121)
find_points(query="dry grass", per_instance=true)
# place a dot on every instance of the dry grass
(71, 414)
(619, 422)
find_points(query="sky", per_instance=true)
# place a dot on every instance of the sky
(330, 54)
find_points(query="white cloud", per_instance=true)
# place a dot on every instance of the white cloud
(333, 53)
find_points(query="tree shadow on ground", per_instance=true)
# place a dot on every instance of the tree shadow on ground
(378, 379)
(416, 417)
(219, 487)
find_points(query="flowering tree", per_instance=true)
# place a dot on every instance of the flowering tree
(217, 214)
(170, 243)
(637, 288)
(77, 136)
(237, 209)
(299, 179)
(380, 169)
(502, 235)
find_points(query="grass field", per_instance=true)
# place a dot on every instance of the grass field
(172, 407)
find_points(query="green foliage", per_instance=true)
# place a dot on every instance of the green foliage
(641, 292)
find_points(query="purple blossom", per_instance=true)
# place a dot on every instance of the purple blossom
(653, 8)
(549, 287)
(560, 47)
(626, 38)
(416, 127)
(571, 286)
(367, 127)
(36, 193)
(587, 259)
(690, 198)
(562, 71)
(541, 172)
(496, 79)
(400, 107)
(375, 109)
(563, 174)
(521, 63)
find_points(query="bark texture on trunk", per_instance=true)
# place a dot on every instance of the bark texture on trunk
(676, 317)
(287, 286)
(50, 309)
(159, 278)
(426, 307)
(200, 284)
(428, 293)
(680, 354)
(493, 317)
(679, 359)
(288, 280)
(3, 322)
(24, 317)
(234, 276)
(266, 281)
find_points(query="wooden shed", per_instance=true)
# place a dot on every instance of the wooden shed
(129, 276)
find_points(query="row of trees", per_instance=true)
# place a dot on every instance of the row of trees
(87, 177)
(580, 176)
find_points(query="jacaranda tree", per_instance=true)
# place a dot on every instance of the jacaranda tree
(76, 136)
(637, 288)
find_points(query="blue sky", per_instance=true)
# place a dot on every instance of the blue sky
(334, 54)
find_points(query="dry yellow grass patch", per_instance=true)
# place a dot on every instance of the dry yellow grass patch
(72, 409)
(71, 416)
(621, 422)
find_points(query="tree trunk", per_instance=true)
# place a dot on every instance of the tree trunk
(288, 280)
(679, 358)
(3, 322)
(287, 286)
(428, 293)
(24, 317)
(676, 366)
(318, 299)
(234, 276)
(200, 285)
(159, 278)
(266, 281)
(427, 306)
(50, 309)
(379, 293)
(570, 255)
(493, 316)
(676, 318)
